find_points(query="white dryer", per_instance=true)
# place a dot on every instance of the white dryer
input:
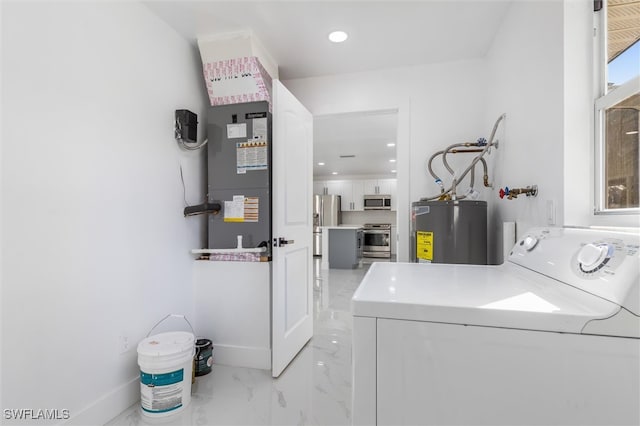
(552, 336)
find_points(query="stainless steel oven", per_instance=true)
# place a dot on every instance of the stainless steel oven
(377, 240)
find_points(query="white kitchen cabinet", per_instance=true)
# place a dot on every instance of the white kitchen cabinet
(387, 186)
(334, 187)
(357, 195)
(379, 186)
(345, 191)
(370, 186)
(320, 187)
(327, 187)
(351, 193)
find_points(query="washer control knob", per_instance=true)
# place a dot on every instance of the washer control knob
(529, 242)
(591, 256)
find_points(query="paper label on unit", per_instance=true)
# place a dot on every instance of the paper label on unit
(242, 209)
(251, 209)
(251, 155)
(424, 245)
(238, 130)
(260, 128)
(420, 210)
(234, 210)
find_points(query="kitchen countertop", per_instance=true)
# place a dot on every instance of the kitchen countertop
(343, 227)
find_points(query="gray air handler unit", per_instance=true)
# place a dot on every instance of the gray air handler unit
(449, 231)
(239, 175)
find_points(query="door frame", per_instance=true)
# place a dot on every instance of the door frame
(403, 163)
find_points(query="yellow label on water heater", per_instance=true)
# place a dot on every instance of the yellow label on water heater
(424, 245)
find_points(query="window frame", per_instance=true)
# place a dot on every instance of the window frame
(605, 99)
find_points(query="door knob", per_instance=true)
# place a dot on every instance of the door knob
(281, 242)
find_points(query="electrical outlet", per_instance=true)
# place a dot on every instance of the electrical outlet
(551, 213)
(123, 344)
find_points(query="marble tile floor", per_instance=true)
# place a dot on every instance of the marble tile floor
(315, 389)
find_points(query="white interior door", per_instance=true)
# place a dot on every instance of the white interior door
(292, 294)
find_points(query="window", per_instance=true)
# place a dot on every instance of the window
(618, 109)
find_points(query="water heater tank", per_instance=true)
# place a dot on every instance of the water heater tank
(449, 232)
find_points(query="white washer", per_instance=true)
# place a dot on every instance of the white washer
(552, 336)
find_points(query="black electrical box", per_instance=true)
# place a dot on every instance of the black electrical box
(186, 125)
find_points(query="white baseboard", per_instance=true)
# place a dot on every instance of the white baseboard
(242, 356)
(109, 406)
(115, 402)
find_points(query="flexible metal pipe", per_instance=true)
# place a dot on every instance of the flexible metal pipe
(437, 178)
(444, 154)
(452, 188)
(454, 184)
(485, 176)
(476, 159)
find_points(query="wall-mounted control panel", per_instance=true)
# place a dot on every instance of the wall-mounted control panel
(186, 126)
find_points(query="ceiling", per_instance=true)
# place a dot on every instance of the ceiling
(355, 144)
(623, 17)
(382, 34)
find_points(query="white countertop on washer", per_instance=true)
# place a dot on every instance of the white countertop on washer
(507, 296)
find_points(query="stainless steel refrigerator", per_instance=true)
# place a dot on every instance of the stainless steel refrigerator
(326, 212)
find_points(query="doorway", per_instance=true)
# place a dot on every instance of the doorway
(356, 156)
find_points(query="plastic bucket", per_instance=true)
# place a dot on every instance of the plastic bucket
(166, 368)
(204, 357)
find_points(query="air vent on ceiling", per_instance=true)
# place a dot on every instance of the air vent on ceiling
(348, 156)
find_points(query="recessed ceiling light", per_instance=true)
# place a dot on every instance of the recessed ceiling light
(393, 160)
(334, 173)
(393, 171)
(320, 164)
(391, 144)
(338, 36)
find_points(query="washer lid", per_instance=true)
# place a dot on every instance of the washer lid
(507, 296)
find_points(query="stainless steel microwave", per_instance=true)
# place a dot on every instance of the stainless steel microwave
(377, 202)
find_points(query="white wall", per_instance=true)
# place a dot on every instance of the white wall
(437, 105)
(525, 81)
(94, 244)
(369, 216)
